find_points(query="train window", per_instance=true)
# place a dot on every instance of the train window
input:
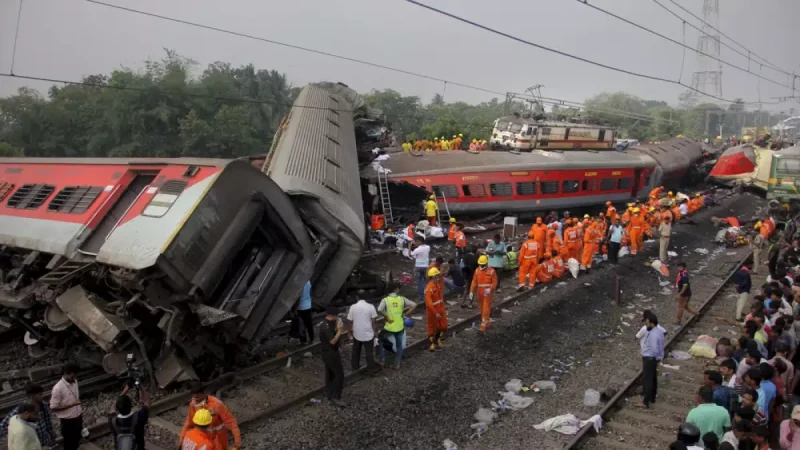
(608, 184)
(549, 187)
(624, 183)
(501, 190)
(545, 132)
(569, 186)
(785, 166)
(74, 199)
(166, 196)
(589, 185)
(448, 190)
(526, 188)
(30, 196)
(474, 190)
(5, 188)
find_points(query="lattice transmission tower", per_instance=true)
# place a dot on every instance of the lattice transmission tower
(708, 73)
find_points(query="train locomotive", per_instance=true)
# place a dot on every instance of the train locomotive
(184, 263)
(488, 182)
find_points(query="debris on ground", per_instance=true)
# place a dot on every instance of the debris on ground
(545, 385)
(569, 424)
(449, 445)
(672, 254)
(680, 355)
(702, 251)
(591, 397)
(704, 347)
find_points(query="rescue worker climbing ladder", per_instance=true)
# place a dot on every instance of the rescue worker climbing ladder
(484, 282)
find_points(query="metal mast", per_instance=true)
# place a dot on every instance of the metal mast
(708, 73)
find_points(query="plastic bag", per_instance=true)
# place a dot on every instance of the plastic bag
(449, 445)
(434, 232)
(660, 267)
(546, 385)
(515, 401)
(574, 267)
(485, 416)
(680, 355)
(514, 386)
(704, 347)
(624, 251)
(591, 397)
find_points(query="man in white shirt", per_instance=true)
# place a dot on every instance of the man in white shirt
(22, 429)
(362, 317)
(684, 208)
(65, 403)
(421, 254)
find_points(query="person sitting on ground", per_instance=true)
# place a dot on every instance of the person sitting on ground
(707, 416)
(454, 281)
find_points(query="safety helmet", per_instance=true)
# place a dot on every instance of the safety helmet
(652, 209)
(460, 135)
(585, 216)
(484, 141)
(436, 139)
(432, 196)
(580, 224)
(602, 214)
(408, 322)
(688, 433)
(630, 204)
(452, 220)
(670, 193)
(433, 272)
(454, 136)
(636, 210)
(758, 225)
(531, 234)
(483, 260)
(202, 417)
(698, 195)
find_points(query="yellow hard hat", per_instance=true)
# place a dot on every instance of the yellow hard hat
(757, 225)
(585, 216)
(202, 417)
(484, 141)
(636, 210)
(698, 195)
(652, 209)
(483, 260)
(670, 193)
(452, 220)
(432, 197)
(460, 135)
(630, 204)
(433, 272)
(436, 139)
(454, 136)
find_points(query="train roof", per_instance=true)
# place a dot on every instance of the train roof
(433, 163)
(208, 162)
(792, 152)
(550, 123)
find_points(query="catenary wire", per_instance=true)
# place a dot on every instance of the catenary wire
(566, 54)
(16, 36)
(750, 52)
(676, 42)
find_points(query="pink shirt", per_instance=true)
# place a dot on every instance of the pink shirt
(64, 394)
(786, 444)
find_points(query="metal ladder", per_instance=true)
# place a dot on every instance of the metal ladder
(65, 272)
(440, 213)
(386, 201)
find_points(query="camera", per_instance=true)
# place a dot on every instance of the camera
(134, 373)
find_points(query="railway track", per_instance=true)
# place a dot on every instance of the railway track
(630, 428)
(268, 389)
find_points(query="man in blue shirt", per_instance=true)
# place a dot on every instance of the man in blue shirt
(651, 340)
(722, 394)
(303, 314)
(743, 286)
(767, 390)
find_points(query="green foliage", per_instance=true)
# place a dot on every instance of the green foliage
(165, 112)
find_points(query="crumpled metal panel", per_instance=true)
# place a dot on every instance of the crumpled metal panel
(102, 328)
(210, 316)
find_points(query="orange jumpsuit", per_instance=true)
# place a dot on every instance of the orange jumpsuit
(653, 221)
(434, 304)
(549, 238)
(484, 281)
(222, 422)
(636, 232)
(769, 226)
(528, 259)
(700, 202)
(451, 233)
(626, 216)
(611, 212)
(558, 264)
(656, 192)
(437, 145)
(560, 247)
(540, 235)
(676, 213)
(461, 239)
(457, 144)
(544, 273)
(197, 439)
(588, 246)
(573, 244)
(418, 145)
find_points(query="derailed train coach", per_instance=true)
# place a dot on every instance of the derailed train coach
(182, 263)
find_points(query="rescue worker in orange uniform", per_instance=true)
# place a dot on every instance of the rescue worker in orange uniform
(484, 282)
(198, 437)
(550, 236)
(676, 212)
(460, 243)
(656, 192)
(559, 245)
(434, 309)
(539, 230)
(769, 225)
(581, 233)
(437, 146)
(222, 420)
(636, 230)
(700, 200)
(588, 246)
(626, 216)
(653, 221)
(544, 273)
(451, 232)
(417, 145)
(528, 260)
(611, 211)
(571, 238)
(558, 264)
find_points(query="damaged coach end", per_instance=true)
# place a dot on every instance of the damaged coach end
(178, 262)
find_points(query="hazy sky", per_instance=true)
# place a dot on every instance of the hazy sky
(67, 39)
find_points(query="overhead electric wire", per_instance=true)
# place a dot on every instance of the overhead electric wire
(676, 42)
(750, 52)
(566, 54)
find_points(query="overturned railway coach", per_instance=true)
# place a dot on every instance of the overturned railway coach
(483, 182)
(182, 263)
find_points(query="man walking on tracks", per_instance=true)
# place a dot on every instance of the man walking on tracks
(651, 340)
(330, 332)
(757, 244)
(664, 232)
(222, 419)
(394, 308)
(435, 310)
(484, 281)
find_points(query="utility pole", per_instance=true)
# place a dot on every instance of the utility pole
(707, 76)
